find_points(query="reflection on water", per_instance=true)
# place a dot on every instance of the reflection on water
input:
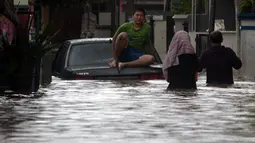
(129, 111)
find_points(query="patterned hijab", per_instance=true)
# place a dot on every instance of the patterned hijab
(180, 44)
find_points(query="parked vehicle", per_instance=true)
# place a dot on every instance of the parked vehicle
(88, 59)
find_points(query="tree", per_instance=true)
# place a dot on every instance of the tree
(247, 6)
(182, 7)
(185, 6)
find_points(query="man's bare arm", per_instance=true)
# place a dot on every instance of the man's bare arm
(113, 44)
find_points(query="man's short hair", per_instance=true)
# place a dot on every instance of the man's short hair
(140, 10)
(216, 37)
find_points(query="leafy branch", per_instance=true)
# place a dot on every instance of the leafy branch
(246, 6)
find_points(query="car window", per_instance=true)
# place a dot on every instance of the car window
(93, 54)
(59, 61)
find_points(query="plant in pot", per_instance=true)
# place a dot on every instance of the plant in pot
(247, 6)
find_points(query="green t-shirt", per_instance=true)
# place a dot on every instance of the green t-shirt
(138, 39)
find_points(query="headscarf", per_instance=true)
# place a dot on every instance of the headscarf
(7, 29)
(179, 45)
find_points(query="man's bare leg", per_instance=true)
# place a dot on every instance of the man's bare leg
(120, 44)
(142, 61)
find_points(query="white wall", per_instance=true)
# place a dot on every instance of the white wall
(105, 20)
(248, 53)
(160, 37)
(229, 39)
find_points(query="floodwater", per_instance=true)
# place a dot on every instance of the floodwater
(129, 111)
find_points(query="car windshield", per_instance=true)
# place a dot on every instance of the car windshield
(90, 54)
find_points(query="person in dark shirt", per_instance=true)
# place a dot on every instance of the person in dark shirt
(181, 63)
(219, 61)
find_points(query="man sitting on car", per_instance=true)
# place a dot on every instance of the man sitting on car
(131, 42)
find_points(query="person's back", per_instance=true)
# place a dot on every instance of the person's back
(183, 76)
(181, 63)
(219, 61)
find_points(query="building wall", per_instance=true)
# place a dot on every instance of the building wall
(247, 47)
(104, 21)
(225, 9)
(228, 36)
(160, 37)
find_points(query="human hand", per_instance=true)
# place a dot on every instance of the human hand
(144, 21)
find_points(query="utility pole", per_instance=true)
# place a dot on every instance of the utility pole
(38, 23)
(113, 17)
(169, 22)
(130, 8)
(211, 22)
(237, 30)
(37, 18)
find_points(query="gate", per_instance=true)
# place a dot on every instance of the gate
(201, 43)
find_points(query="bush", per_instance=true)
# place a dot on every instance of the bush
(247, 6)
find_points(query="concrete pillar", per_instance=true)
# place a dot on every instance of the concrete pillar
(179, 21)
(247, 44)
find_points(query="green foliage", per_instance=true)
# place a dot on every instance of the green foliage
(246, 6)
(185, 7)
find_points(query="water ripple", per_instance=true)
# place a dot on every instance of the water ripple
(130, 111)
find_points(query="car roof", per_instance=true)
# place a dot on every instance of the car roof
(89, 40)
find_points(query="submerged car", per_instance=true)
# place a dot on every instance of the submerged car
(88, 59)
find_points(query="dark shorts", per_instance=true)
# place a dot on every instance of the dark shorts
(130, 54)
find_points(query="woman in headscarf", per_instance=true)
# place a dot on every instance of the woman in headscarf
(181, 63)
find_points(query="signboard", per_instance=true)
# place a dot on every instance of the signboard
(21, 2)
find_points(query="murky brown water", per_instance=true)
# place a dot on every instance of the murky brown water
(130, 111)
